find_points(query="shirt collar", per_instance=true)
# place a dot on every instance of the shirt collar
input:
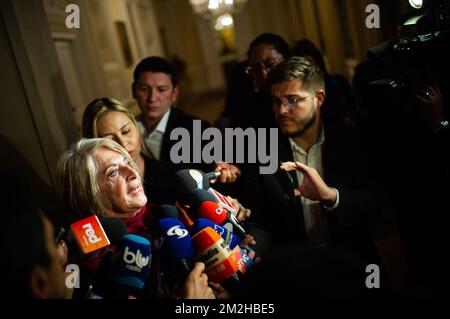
(162, 125)
(319, 142)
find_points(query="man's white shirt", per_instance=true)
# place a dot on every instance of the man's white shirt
(153, 140)
(315, 222)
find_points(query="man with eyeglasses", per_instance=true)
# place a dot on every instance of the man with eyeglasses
(320, 193)
(253, 109)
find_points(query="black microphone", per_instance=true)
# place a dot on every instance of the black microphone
(166, 211)
(111, 228)
(189, 179)
(124, 273)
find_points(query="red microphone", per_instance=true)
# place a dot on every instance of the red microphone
(211, 249)
(213, 212)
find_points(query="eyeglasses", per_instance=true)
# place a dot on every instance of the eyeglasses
(290, 101)
(256, 68)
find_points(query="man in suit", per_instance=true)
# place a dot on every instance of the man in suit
(155, 89)
(323, 195)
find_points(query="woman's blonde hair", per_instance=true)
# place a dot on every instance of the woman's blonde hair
(100, 107)
(77, 176)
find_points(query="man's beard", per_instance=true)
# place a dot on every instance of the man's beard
(305, 124)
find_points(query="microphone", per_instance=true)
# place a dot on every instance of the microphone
(213, 212)
(89, 235)
(195, 197)
(123, 274)
(194, 189)
(245, 259)
(90, 256)
(178, 247)
(210, 248)
(166, 211)
(212, 175)
(219, 215)
(115, 229)
(134, 267)
(188, 179)
(192, 179)
(222, 200)
(230, 239)
(83, 232)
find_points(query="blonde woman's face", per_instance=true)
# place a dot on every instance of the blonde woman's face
(120, 185)
(118, 126)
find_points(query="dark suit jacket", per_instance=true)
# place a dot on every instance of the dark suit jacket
(158, 182)
(176, 119)
(276, 209)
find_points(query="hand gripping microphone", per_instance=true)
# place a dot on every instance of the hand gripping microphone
(211, 249)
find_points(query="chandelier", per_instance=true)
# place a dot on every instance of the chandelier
(214, 8)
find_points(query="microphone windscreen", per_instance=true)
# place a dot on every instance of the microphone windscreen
(211, 249)
(115, 228)
(89, 234)
(230, 239)
(189, 179)
(195, 197)
(212, 175)
(222, 200)
(133, 266)
(177, 238)
(166, 211)
(213, 212)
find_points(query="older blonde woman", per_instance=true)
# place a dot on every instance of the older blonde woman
(98, 176)
(108, 118)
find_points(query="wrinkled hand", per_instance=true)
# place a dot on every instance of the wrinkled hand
(229, 173)
(313, 187)
(242, 212)
(196, 285)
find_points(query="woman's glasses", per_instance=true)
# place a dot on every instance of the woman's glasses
(256, 68)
